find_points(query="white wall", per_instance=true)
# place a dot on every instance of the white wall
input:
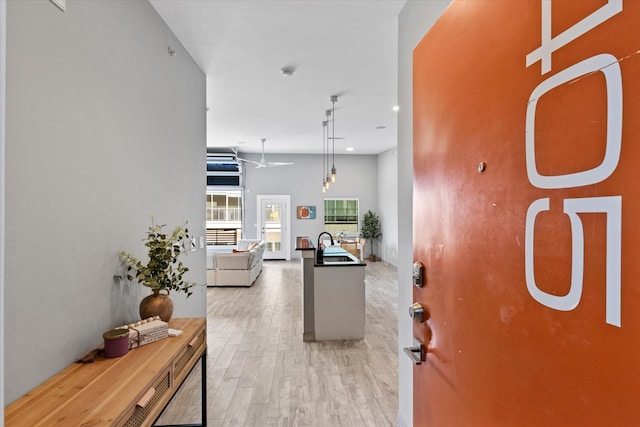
(357, 178)
(104, 130)
(388, 205)
(414, 21)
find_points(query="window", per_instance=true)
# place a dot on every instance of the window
(224, 197)
(223, 206)
(224, 216)
(223, 169)
(341, 215)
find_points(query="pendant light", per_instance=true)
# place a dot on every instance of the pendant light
(334, 99)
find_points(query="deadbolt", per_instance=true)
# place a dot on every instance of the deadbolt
(418, 312)
(418, 274)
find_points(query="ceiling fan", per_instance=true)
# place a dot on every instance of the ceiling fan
(263, 162)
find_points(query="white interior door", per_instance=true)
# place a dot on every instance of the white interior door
(274, 225)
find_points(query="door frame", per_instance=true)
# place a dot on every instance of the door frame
(286, 222)
(3, 73)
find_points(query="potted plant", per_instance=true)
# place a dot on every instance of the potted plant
(371, 231)
(162, 272)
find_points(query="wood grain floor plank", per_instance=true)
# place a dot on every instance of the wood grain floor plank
(218, 406)
(257, 414)
(250, 372)
(261, 373)
(237, 410)
(279, 404)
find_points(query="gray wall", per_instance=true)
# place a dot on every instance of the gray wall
(104, 130)
(414, 21)
(388, 205)
(357, 178)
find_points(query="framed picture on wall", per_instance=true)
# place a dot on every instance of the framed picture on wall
(306, 212)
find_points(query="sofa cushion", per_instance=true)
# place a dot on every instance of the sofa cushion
(233, 261)
(243, 244)
(256, 254)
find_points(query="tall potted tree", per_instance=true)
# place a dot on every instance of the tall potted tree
(371, 230)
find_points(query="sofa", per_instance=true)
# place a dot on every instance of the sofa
(238, 268)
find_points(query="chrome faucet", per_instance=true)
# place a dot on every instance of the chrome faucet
(320, 251)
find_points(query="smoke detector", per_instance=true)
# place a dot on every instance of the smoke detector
(287, 71)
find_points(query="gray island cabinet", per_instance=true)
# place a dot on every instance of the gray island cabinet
(333, 293)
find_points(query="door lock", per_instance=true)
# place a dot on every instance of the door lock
(418, 274)
(418, 312)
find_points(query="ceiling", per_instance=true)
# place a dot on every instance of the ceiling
(343, 47)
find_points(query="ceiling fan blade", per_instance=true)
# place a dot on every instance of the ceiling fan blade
(263, 162)
(274, 164)
(248, 161)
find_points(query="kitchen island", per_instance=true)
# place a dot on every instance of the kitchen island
(333, 293)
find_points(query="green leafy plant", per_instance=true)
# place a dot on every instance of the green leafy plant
(164, 270)
(371, 229)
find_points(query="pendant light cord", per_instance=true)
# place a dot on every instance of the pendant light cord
(325, 151)
(333, 113)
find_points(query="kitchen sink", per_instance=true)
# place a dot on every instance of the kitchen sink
(337, 258)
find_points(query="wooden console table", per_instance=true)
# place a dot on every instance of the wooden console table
(131, 390)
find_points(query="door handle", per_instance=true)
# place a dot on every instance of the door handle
(416, 353)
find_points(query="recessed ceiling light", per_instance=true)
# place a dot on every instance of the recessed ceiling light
(349, 148)
(396, 107)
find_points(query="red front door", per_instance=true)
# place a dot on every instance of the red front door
(527, 214)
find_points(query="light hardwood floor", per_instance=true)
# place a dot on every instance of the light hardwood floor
(261, 373)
